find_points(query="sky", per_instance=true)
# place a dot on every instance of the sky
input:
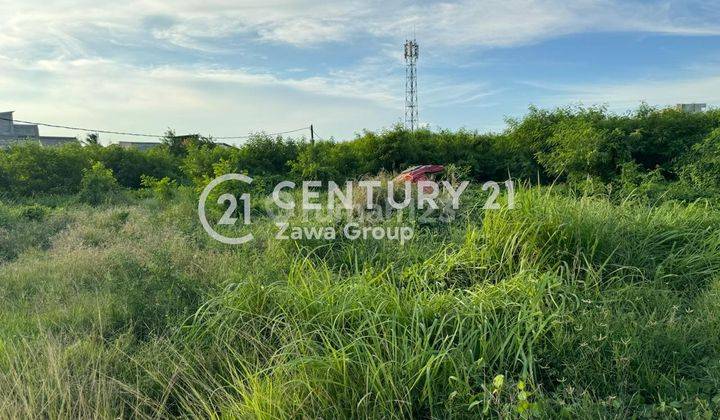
(229, 68)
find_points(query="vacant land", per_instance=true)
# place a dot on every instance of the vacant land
(598, 295)
(567, 305)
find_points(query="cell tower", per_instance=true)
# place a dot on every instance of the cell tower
(411, 101)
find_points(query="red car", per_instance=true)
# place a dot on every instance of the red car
(419, 173)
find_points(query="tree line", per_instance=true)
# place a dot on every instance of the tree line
(572, 145)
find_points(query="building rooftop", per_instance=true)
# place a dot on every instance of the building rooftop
(11, 133)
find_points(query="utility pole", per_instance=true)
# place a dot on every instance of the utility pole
(312, 134)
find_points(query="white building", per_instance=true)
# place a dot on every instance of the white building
(12, 133)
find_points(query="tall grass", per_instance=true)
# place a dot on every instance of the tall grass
(561, 307)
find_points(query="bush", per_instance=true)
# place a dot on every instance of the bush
(702, 164)
(198, 164)
(163, 189)
(29, 169)
(98, 183)
(129, 165)
(657, 137)
(579, 150)
(571, 143)
(34, 212)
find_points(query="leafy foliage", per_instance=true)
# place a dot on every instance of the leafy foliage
(164, 189)
(98, 183)
(567, 144)
(578, 149)
(28, 169)
(702, 164)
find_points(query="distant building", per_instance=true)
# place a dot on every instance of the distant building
(139, 145)
(691, 107)
(12, 133)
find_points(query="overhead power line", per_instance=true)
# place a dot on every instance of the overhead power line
(124, 133)
(88, 130)
(318, 136)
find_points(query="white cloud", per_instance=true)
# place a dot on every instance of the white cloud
(65, 25)
(337, 84)
(441, 94)
(628, 95)
(504, 23)
(109, 95)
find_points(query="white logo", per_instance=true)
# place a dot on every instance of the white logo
(361, 205)
(227, 218)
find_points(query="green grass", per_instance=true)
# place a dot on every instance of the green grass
(564, 307)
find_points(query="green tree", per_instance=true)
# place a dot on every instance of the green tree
(31, 169)
(129, 165)
(178, 145)
(658, 137)
(92, 139)
(198, 163)
(578, 149)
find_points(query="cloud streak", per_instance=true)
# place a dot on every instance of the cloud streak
(489, 23)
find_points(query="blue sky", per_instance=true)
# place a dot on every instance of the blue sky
(231, 67)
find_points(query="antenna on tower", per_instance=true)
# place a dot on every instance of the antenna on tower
(411, 101)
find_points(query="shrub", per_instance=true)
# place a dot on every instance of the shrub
(4, 178)
(29, 169)
(200, 159)
(318, 161)
(34, 212)
(263, 155)
(129, 165)
(657, 137)
(635, 182)
(163, 189)
(570, 142)
(97, 184)
(578, 150)
(701, 166)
